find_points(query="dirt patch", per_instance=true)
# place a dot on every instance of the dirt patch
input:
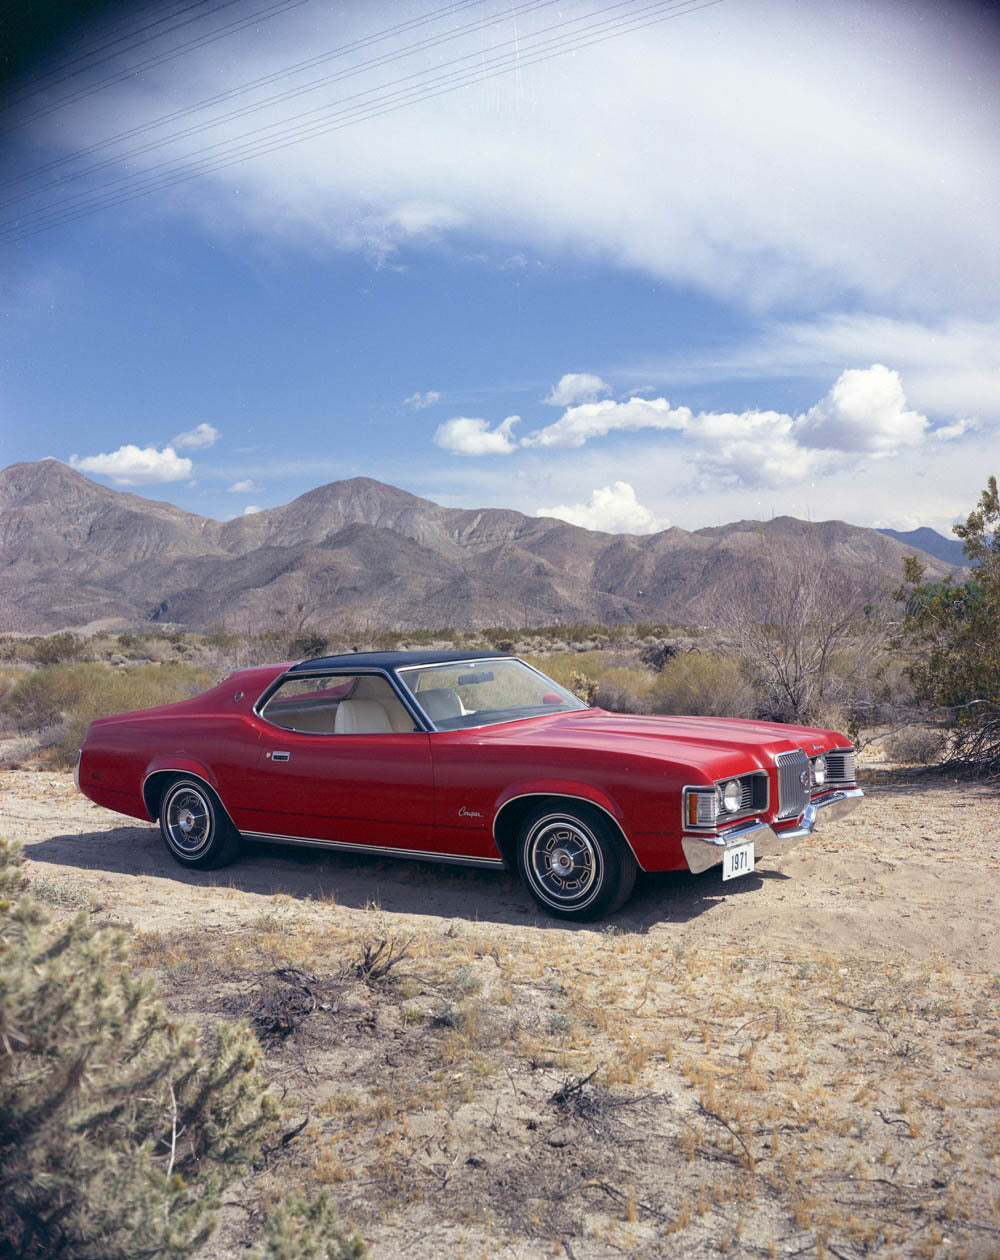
(802, 1062)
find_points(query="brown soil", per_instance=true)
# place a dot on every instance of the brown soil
(801, 1062)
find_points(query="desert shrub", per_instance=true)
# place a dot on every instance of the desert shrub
(118, 1129)
(953, 633)
(916, 745)
(55, 647)
(619, 698)
(308, 644)
(119, 1125)
(298, 1230)
(704, 683)
(72, 695)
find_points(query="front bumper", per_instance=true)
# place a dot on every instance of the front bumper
(703, 852)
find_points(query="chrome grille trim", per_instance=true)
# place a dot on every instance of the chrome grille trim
(793, 797)
(840, 767)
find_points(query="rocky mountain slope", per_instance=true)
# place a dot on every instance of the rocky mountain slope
(360, 552)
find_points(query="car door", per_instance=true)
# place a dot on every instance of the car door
(337, 758)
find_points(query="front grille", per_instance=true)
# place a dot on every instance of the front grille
(840, 767)
(793, 795)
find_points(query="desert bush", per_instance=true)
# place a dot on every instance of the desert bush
(55, 647)
(119, 1125)
(953, 633)
(308, 644)
(916, 745)
(789, 615)
(118, 1129)
(704, 683)
(72, 695)
(298, 1230)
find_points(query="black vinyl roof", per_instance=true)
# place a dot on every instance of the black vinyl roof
(389, 660)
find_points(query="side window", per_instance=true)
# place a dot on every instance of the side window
(337, 704)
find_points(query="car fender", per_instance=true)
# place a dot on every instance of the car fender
(506, 806)
(158, 771)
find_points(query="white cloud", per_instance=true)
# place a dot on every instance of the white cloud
(864, 411)
(466, 435)
(591, 157)
(197, 439)
(579, 424)
(613, 509)
(244, 487)
(419, 401)
(576, 387)
(251, 510)
(951, 366)
(134, 466)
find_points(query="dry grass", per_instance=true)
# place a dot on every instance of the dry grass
(603, 1094)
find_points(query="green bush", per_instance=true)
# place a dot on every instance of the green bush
(119, 1125)
(953, 633)
(704, 683)
(308, 1231)
(118, 1129)
(74, 694)
(54, 648)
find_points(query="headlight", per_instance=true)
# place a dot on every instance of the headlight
(732, 797)
(819, 771)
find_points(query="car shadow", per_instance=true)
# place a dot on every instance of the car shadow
(394, 885)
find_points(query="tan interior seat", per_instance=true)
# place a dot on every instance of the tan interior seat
(361, 717)
(373, 688)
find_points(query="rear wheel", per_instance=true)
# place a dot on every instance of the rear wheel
(195, 827)
(574, 863)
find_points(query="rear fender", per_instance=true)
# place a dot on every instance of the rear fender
(160, 772)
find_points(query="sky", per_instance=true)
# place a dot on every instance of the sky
(639, 264)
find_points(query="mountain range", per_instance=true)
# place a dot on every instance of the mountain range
(359, 552)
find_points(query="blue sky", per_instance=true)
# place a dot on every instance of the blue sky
(741, 262)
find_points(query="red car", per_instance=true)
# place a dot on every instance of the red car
(482, 761)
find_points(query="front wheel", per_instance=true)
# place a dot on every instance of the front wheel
(574, 863)
(195, 828)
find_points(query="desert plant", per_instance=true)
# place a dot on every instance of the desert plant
(54, 648)
(704, 683)
(118, 1128)
(298, 1230)
(791, 616)
(953, 631)
(915, 745)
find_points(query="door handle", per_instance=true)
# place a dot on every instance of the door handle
(279, 756)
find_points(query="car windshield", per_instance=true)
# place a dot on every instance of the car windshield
(482, 693)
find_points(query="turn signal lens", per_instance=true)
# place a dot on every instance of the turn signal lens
(819, 771)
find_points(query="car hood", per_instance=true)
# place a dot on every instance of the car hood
(704, 741)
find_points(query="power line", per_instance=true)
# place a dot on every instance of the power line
(313, 85)
(106, 196)
(220, 33)
(264, 80)
(29, 88)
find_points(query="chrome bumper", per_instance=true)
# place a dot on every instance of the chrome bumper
(703, 852)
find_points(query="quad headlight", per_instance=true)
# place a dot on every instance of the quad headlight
(732, 796)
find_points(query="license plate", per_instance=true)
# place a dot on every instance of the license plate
(737, 861)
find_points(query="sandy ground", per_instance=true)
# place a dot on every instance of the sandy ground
(908, 876)
(801, 1062)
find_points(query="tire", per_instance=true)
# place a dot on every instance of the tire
(195, 828)
(574, 862)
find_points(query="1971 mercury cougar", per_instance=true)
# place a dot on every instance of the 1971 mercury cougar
(478, 760)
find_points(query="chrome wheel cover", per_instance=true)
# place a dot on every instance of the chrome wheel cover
(188, 821)
(563, 862)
